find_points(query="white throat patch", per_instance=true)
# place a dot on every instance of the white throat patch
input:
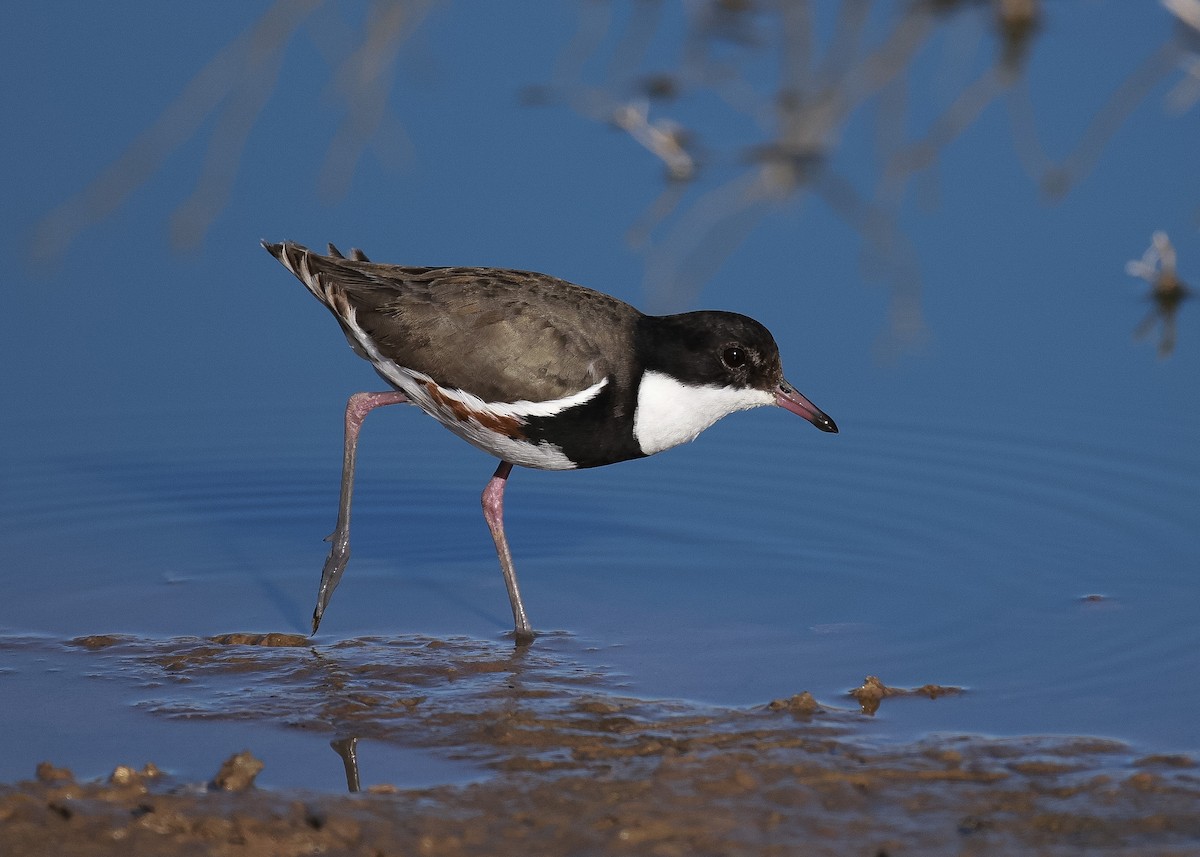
(670, 412)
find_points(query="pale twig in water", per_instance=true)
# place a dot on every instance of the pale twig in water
(1167, 290)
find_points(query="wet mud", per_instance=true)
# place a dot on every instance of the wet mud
(569, 765)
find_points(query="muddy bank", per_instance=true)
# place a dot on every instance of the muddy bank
(574, 767)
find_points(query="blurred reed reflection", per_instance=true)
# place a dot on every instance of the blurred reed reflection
(746, 104)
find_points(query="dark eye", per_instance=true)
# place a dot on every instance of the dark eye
(734, 357)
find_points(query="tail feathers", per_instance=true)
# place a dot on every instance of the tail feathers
(356, 255)
(327, 278)
(288, 253)
(296, 258)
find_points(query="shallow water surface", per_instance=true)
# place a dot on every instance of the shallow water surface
(1052, 580)
(1011, 506)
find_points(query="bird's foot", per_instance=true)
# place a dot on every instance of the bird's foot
(331, 574)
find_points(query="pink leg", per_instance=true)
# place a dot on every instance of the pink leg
(357, 408)
(493, 513)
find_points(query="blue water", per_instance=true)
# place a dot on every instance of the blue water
(171, 420)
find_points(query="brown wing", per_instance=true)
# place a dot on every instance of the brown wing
(502, 335)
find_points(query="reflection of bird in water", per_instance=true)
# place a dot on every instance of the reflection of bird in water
(347, 748)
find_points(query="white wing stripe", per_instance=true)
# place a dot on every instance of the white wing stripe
(523, 408)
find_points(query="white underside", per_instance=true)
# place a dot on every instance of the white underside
(540, 456)
(670, 412)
